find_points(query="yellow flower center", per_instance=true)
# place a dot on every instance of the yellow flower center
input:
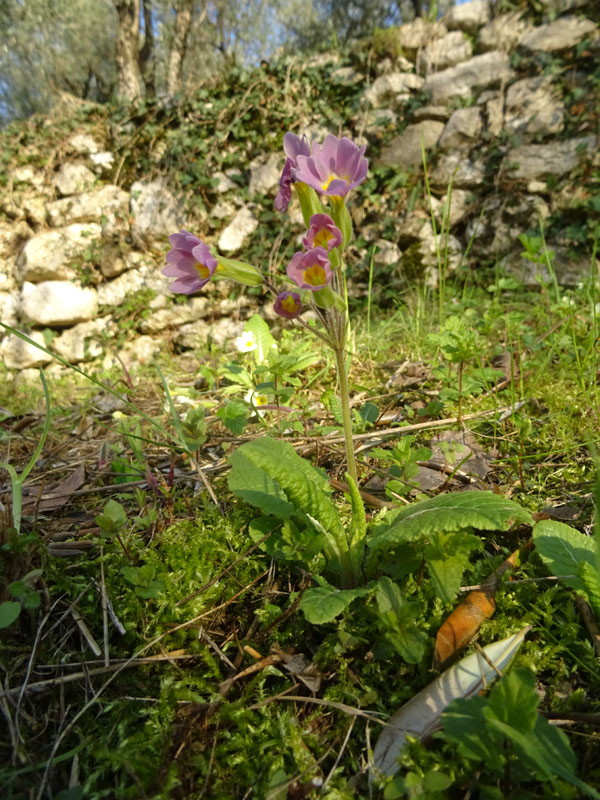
(202, 270)
(315, 275)
(322, 238)
(344, 178)
(288, 304)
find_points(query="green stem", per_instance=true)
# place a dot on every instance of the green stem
(340, 357)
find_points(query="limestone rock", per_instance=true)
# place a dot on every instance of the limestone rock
(49, 256)
(502, 33)
(459, 205)
(108, 201)
(102, 162)
(57, 303)
(171, 317)
(35, 210)
(235, 234)
(439, 113)
(112, 293)
(223, 210)
(192, 334)
(446, 52)
(12, 236)
(469, 17)
(224, 184)
(387, 253)
(388, 87)
(479, 72)
(494, 109)
(18, 354)
(9, 307)
(264, 175)
(562, 34)
(82, 341)
(405, 150)
(462, 130)
(224, 331)
(73, 178)
(415, 35)
(83, 144)
(555, 158)
(28, 175)
(155, 209)
(463, 173)
(533, 107)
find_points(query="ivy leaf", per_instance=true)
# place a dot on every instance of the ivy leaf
(324, 603)
(450, 512)
(397, 620)
(563, 549)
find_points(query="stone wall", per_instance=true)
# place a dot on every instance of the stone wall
(485, 94)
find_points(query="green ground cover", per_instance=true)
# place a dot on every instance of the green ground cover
(230, 691)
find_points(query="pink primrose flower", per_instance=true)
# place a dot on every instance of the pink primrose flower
(334, 167)
(190, 262)
(288, 305)
(323, 232)
(293, 146)
(310, 270)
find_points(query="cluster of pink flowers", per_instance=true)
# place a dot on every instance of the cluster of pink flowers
(328, 170)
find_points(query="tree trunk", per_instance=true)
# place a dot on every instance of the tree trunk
(147, 62)
(130, 84)
(183, 23)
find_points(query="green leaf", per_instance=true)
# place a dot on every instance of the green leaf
(514, 700)
(466, 725)
(591, 582)
(563, 549)
(447, 557)
(324, 603)
(234, 416)
(397, 620)
(369, 412)
(9, 611)
(262, 336)
(450, 512)
(112, 519)
(269, 474)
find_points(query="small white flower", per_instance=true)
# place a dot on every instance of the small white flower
(246, 343)
(256, 400)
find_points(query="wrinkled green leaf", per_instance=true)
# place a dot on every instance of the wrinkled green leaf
(447, 557)
(234, 416)
(450, 512)
(591, 581)
(262, 336)
(563, 549)
(514, 700)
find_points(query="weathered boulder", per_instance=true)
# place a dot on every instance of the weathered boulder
(264, 175)
(18, 354)
(405, 150)
(108, 201)
(387, 87)
(387, 253)
(502, 33)
(479, 72)
(555, 158)
(50, 256)
(12, 236)
(28, 175)
(9, 307)
(562, 34)
(73, 178)
(533, 106)
(155, 209)
(415, 35)
(57, 303)
(83, 144)
(112, 293)
(468, 17)
(462, 130)
(462, 172)
(445, 52)
(82, 342)
(235, 234)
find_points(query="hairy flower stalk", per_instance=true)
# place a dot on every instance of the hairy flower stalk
(322, 176)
